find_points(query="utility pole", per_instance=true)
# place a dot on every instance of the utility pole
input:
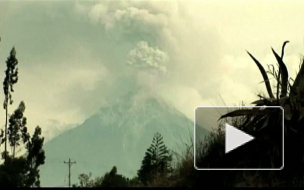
(69, 164)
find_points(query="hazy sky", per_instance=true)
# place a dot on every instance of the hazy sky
(74, 55)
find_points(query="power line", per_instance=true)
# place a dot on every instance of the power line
(69, 164)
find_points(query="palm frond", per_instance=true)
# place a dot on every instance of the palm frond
(284, 74)
(264, 74)
(298, 80)
(247, 112)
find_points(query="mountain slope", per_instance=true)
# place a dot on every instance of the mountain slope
(116, 135)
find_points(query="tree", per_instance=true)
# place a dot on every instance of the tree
(17, 129)
(11, 77)
(263, 124)
(156, 161)
(35, 157)
(290, 97)
(85, 180)
(2, 136)
(112, 179)
(13, 173)
(19, 171)
(23, 171)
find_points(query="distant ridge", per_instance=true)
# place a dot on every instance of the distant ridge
(117, 134)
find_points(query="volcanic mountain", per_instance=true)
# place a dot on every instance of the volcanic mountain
(117, 135)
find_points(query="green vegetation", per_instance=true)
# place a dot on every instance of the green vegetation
(11, 77)
(261, 123)
(157, 168)
(156, 162)
(264, 124)
(19, 171)
(110, 179)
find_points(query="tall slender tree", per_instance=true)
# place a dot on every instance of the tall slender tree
(23, 171)
(2, 139)
(19, 171)
(35, 158)
(156, 161)
(11, 77)
(17, 129)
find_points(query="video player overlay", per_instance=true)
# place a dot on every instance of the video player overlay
(242, 140)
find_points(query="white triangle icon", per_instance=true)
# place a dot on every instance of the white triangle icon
(235, 138)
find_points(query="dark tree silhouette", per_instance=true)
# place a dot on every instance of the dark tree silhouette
(11, 77)
(264, 125)
(17, 129)
(112, 179)
(35, 157)
(2, 138)
(85, 180)
(23, 171)
(19, 171)
(156, 161)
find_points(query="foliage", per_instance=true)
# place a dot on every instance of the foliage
(110, 179)
(17, 129)
(35, 157)
(263, 124)
(155, 170)
(11, 77)
(2, 137)
(12, 174)
(85, 180)
(23, 171)
(156, 161)
(182, 173)
(19, 171)
(289, 97)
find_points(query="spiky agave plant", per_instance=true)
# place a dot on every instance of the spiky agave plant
(266, 122)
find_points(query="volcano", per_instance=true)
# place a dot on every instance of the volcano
(117, 135)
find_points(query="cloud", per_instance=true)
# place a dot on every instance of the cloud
(144, 56)
(190, 47)
(67, 92)
(75, 56)
(116, 15)
(159, 40)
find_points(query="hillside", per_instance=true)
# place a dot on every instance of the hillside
(116, 135)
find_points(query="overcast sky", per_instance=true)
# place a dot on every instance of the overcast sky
(73, 55)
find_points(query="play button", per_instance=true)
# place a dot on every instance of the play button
(235, 138)
(239, 142)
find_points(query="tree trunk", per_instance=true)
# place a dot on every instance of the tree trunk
(5, 145)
